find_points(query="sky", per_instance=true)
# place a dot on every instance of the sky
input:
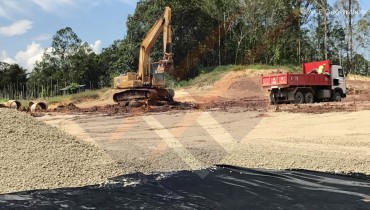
(27, 26)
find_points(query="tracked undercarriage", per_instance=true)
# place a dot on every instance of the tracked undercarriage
(143, 96)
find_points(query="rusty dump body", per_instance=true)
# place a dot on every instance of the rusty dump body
(308, 77)
(288, 79)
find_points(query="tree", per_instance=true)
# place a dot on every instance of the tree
(363, 31)
(69, 60)
(12, 80)
(322, 28)
(350, 8)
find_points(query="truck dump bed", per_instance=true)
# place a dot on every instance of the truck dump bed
(307, 78)
(288, 79)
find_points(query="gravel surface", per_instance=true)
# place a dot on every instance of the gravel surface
(37, 156)
(160, 142)
(340, 143)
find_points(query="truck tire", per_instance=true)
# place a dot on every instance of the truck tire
(298, 98)
(273, 100)
(337, 97)
(308, 97)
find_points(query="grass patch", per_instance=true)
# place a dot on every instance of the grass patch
(58, 99)
(289, 68)
(75, 98)
(210, 75)
(87, 95)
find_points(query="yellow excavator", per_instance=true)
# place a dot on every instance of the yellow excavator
(147, 86)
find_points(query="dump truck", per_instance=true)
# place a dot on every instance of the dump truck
(309, 86)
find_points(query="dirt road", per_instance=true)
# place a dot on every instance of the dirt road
(331, 142)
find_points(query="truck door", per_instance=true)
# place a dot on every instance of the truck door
(338, 78)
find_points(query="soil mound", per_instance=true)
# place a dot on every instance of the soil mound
(37, 156)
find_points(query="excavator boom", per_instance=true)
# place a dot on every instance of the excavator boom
(163, 24)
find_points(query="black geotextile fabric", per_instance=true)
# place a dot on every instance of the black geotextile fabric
(222, 187)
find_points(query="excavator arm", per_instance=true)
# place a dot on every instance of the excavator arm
(163, 24)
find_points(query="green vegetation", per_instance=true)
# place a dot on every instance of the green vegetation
(75, 98)
(232, 34)
(209, 76)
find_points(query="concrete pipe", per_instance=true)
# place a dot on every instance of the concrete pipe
(37, 106)
(13, 104)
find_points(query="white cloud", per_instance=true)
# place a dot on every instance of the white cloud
(51, 5)
(96, 46)
(56, 5)
(26, 58)
(17, 28)
(10, 7)
(4, 13)
(42, 37)
(4, 57)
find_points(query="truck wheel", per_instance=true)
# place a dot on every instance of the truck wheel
(309, 98)
(273, 100)
(337, 97)
(299, 98)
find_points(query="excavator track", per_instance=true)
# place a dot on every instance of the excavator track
(144, 95)
(136, 94)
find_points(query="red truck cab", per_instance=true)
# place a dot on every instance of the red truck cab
(308, 86)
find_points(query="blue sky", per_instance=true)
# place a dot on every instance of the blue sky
(27, 26)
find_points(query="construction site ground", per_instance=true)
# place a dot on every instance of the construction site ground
(229, 122)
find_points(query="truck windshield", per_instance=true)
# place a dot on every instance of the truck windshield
(340, 72)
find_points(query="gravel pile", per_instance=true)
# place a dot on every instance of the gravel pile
(34, 155)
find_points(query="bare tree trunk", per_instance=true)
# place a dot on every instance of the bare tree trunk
(299, 51)
(219, 45)
(237, 51)
(350, 33)
(325, 4)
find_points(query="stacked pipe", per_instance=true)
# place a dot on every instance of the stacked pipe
(33, 106)
(37, 106)
(11, 104)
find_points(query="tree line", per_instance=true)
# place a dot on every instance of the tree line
(209, 33)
